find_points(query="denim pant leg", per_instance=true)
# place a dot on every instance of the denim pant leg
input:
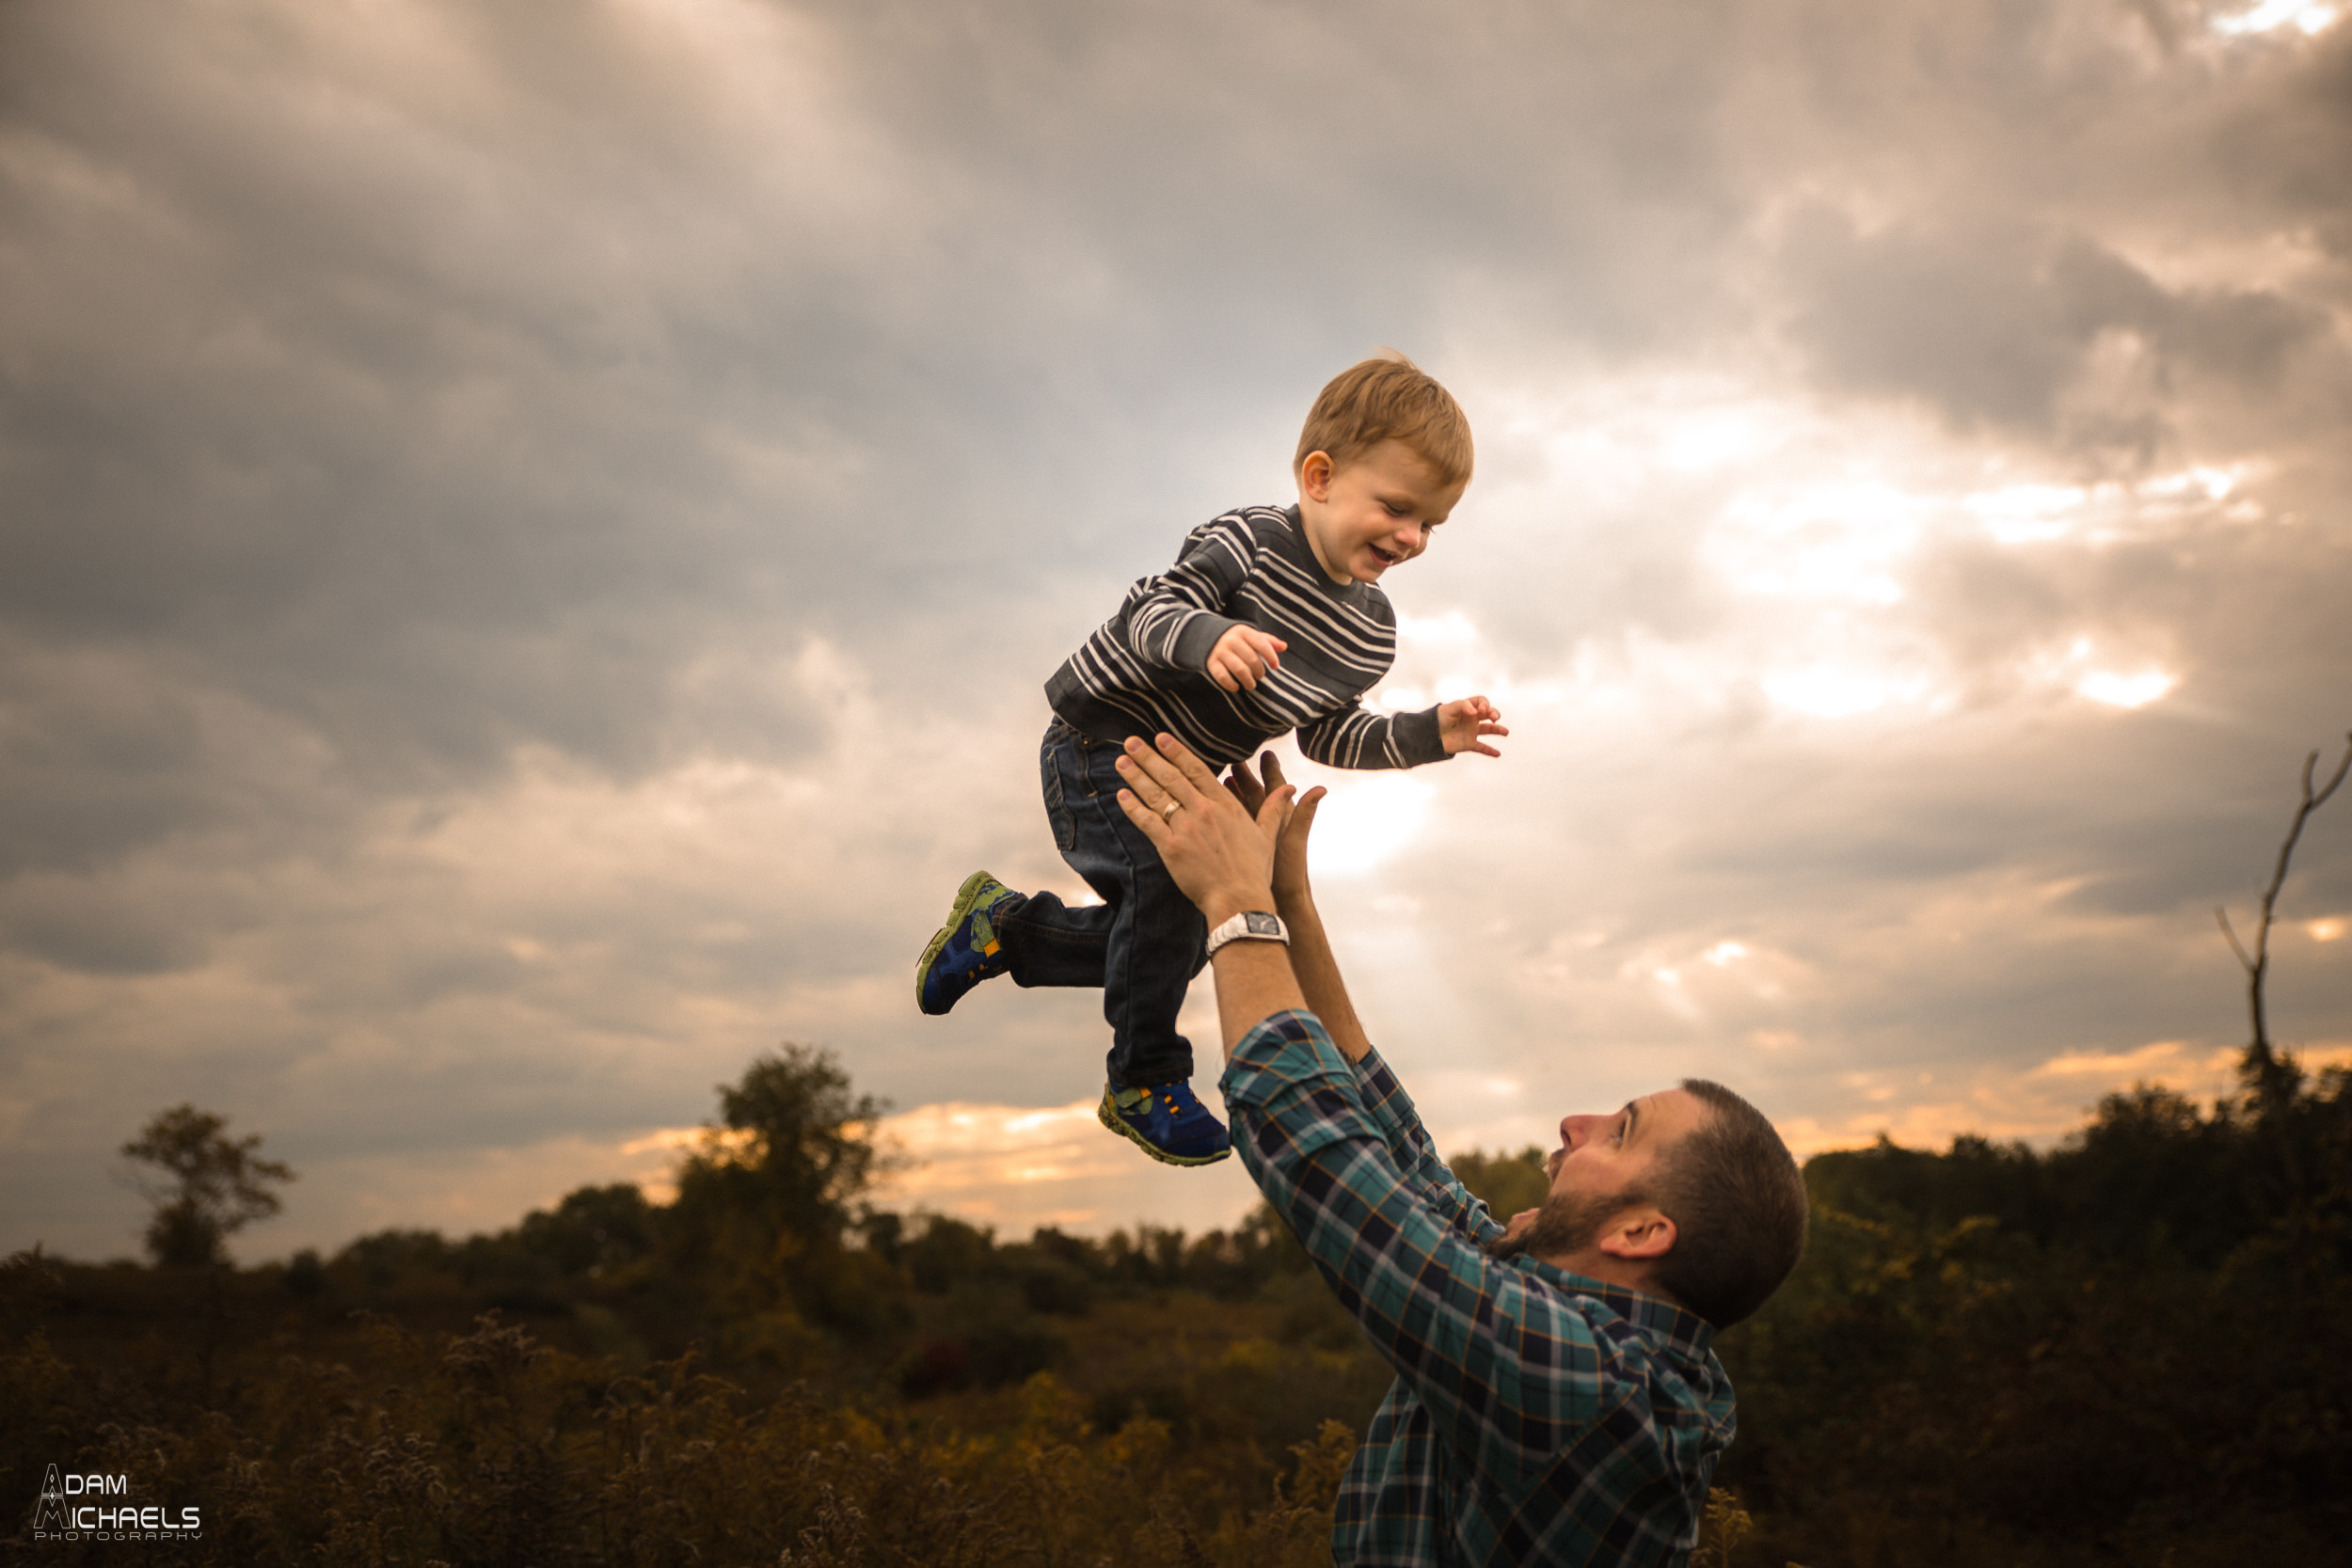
(1142, 945)
(1048, 942)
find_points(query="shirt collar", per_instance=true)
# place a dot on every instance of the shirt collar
(1304, 555)
(1681, 1328)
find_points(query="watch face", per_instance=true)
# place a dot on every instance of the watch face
(1262, 925)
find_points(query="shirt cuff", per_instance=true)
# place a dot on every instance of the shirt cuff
(1419, 738)
(1285, 1052)
(1289, 1096)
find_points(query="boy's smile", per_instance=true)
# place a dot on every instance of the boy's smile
(1376, 512)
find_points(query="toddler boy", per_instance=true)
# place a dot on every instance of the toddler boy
(1270, 620)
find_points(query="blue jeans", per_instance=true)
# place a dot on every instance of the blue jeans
(1142, 945)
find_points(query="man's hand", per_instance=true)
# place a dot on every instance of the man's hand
(1462, 726)
(1243, 657)
(1221, 855)
(1290, 850)
(1314, 965)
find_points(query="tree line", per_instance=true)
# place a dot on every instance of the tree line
(2135, 1347)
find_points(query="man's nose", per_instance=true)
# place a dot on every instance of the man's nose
(1576, 1131)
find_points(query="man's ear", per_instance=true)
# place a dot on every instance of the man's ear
(1639, 1234)
(1314, 476)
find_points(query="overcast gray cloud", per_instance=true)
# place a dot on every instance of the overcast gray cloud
(532, 536)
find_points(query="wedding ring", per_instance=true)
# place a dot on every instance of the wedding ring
(1167, 811)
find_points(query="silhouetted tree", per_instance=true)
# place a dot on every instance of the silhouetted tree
(763, 1203)
(2305, 1193)
(2270, 1073)
(216, 1186)
(594, 1230)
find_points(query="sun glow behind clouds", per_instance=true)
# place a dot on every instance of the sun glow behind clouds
(1827, 548)
(1828, 543)
(2029, 513)
(2273, 14)
(2094, 675)
(2104, 686)
(1015, 1168)
(964, 1146)
(1835, 691)
(1358, 828)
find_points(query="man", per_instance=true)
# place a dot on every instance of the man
(1556, 1399)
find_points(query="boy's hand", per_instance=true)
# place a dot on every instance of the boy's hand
(1461, 724)
(1290, 850)
(1243, 657)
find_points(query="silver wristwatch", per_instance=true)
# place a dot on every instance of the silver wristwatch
(1250, 926)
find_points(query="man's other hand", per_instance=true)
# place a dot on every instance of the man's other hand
(1219, 853)
(1290, 850)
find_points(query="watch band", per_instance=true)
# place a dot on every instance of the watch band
(1249, 925)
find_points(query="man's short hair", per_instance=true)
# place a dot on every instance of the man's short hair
(1387, 399)
(1738, 1206)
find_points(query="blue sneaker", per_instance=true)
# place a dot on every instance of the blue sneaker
(966, 950)
(1168, 1122)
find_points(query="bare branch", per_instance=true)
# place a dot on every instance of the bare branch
(2310, 803)
(2342, 766)
(2223, 915)
(2261, 1060)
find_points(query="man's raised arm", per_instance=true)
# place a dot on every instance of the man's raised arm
(1224, 844)
(1313, 961)
(1342, 1158)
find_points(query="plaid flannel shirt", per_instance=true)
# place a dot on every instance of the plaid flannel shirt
(1538, 1415)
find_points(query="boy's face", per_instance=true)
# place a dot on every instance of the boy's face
(1376, 512)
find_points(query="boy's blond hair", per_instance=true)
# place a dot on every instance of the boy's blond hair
(1387, 399)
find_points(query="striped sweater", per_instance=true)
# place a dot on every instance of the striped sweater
(1145, 669)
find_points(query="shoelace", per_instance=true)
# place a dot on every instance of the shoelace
(1142, 1102)
(984, 929)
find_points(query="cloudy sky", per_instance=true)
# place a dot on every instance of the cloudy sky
(531, 536)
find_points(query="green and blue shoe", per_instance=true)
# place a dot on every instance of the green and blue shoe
(968, 949)
(1168, 1122)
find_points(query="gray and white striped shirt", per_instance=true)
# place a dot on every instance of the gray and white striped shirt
(1145, 669)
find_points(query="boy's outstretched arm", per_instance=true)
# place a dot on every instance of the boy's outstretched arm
(1351, 738)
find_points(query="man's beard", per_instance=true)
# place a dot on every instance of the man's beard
(1568, 1223)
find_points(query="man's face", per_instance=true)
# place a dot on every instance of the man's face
(1600, 1161)
(1376, 512)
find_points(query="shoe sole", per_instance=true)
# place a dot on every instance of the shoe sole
(1109, 1118)
(965, 896)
